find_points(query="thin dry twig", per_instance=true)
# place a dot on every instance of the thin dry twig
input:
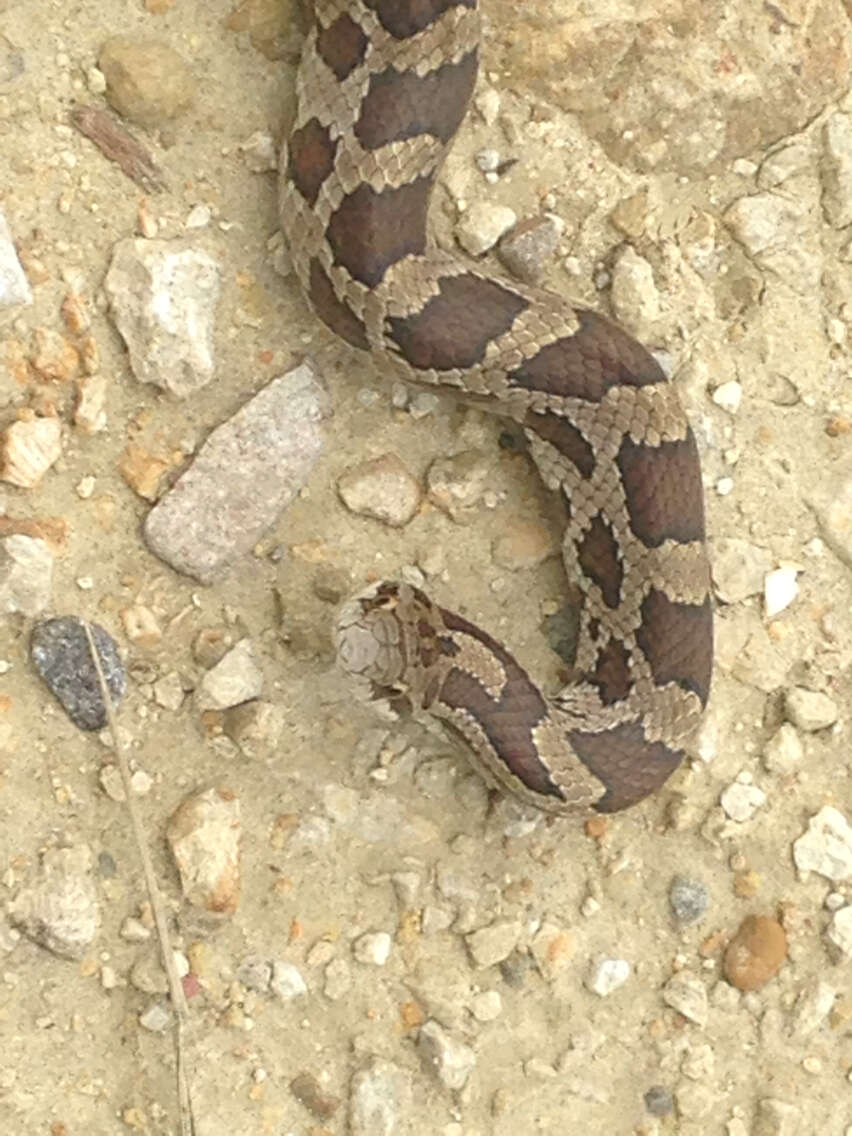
(119, 146)
(187, 1121)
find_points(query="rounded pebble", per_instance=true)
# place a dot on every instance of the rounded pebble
(756, 953)
(688, 899)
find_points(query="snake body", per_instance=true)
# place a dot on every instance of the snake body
(382, 88)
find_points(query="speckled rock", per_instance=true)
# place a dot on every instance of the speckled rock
(688, 899)
(60, 653)
(756, 952)
(248, 471)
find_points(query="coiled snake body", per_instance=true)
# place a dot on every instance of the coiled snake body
(382, 88)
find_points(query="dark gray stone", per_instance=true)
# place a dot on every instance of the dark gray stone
(60, 653)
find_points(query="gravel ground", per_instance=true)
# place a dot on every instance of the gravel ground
(370, 942)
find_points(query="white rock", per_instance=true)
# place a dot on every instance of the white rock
(607, 975)
(486, 1006)
(156, 1019)
(163, 297)
(287, 981)
(236, 678)
(26, 574)
(840, 930)
(451, 1060)
(813, 1008)
(373, 948)
(741, 802)
(14, 286)
(482, 225)
(810, 710)
(779, 590)
(825, 846)
(729, 396)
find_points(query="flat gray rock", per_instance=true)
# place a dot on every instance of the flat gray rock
(243, 477)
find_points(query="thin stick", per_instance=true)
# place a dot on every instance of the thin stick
(187, 1121)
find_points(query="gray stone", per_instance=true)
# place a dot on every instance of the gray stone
(688, 899)
(451, 1060)
(240, 481)
(60, 652)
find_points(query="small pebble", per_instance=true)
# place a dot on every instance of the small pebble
(373, 948)
(810, 710)
(607, 975)
(287, 981)
(451, 1060)
(688, 899)
(740, 802)
(659, 1101)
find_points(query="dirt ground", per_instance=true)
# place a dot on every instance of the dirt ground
(642, 127)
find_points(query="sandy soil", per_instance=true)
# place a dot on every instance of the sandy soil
(639, 125)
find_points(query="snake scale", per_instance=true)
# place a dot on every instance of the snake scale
(382, 88)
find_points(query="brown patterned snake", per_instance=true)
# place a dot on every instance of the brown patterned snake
(382, 88)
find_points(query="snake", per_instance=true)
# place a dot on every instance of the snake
(382, 87)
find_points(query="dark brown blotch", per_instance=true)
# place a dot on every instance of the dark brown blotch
(585, 365)
(403, 104)
(333, 312)
(404, 18)
(599, 559)
(507, 722)
(342, 46)
(373, 229)
(565, 437)
(310, 158)
(677, 640)
(662, 484)
(612, 672)
(628, 764)
(456, 326)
